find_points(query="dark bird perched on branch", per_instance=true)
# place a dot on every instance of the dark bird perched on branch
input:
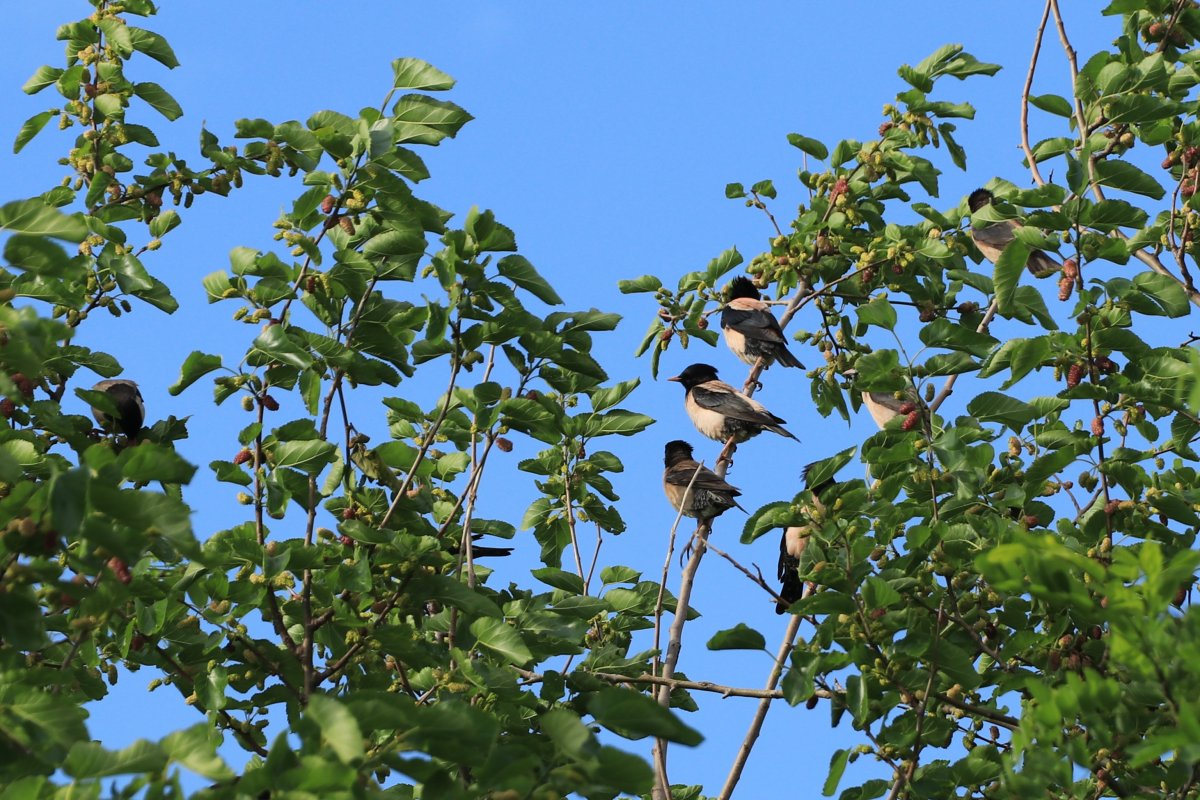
(792, 544)
(130, 409)
(480, 551)
(719, 411)
(750, 328)
(992, 239)
(709, 496)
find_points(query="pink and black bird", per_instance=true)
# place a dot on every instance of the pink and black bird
(709, 496)
(131, 412)
(793, 543)
(719, 411)
(992, 239)
(751, 330)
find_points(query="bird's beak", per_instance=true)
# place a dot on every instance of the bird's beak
(676, 378)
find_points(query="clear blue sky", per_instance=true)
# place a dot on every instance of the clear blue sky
(604, 136)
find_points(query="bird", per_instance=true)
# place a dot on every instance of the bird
(719, 411)
(709, 496)
(993, 238)
(885, 406)
(478, 550)
(792, 544)
(131, 412)
(751, 330)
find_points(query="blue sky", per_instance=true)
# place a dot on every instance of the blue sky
(604, 136)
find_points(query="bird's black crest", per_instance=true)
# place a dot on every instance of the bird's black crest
(742, 286)
(676, 451)
(696, 374)
(978, 199)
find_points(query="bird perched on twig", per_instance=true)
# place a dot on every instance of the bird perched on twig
(130, 410)
(709, 496)
(750, 328)
(792, 544)
(719, 411)
(992, 239)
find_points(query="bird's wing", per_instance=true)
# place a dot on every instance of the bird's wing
(754, 323)
(681, 475)
(722, 398)
(997, 235)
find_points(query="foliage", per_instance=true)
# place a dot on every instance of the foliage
(997, 608)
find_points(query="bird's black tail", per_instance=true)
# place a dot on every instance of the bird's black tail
(790, 591)
(786, 357)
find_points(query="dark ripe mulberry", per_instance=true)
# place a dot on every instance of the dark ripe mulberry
(811, 703)
(969, 307)
(242, 456)
(907, 408)
(868, 275)
(270, 403)
(1075, 375)
(1110, 508)
(346, 540)
(702, 323)
(911, 421)
(1098, 426)
(328, 204)
(1105, 365)
(885, 127)
(928, 315)
(120, 569)
(504, 444)
(1065, 287)
(7, 407)
(1031, 521)
(310, 285)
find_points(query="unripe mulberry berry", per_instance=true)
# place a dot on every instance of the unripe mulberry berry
(328, 204)
(347, 225)
(1098, 426)
(1074, 375)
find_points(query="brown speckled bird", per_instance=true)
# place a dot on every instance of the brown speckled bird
(710, 495)
(992, 239)
(719, 411)
(131, 412)
(750, 328)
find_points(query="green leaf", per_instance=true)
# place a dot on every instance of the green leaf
(196, 749)
(36, 218)
(91, 760)
(131, 275)
(1126, 177)
(1053, 104)
(275, 344)
(559, 579)
(811, 146)
(1007, 273)
(43, 77)
(309, 456)
(31, 128)
(837, 766)
(150, 461)
(739, 637)
(159, 99)
(877, 312)
(153, 45)
(997, 407)
(339, 729)
(1164, 292)
(646, 283)
(633, 715)
(502, 639)
(603, 399)
(518, 270)
(413, 73)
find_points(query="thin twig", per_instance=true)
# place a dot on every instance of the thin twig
(1037, 49)
(739, 762)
